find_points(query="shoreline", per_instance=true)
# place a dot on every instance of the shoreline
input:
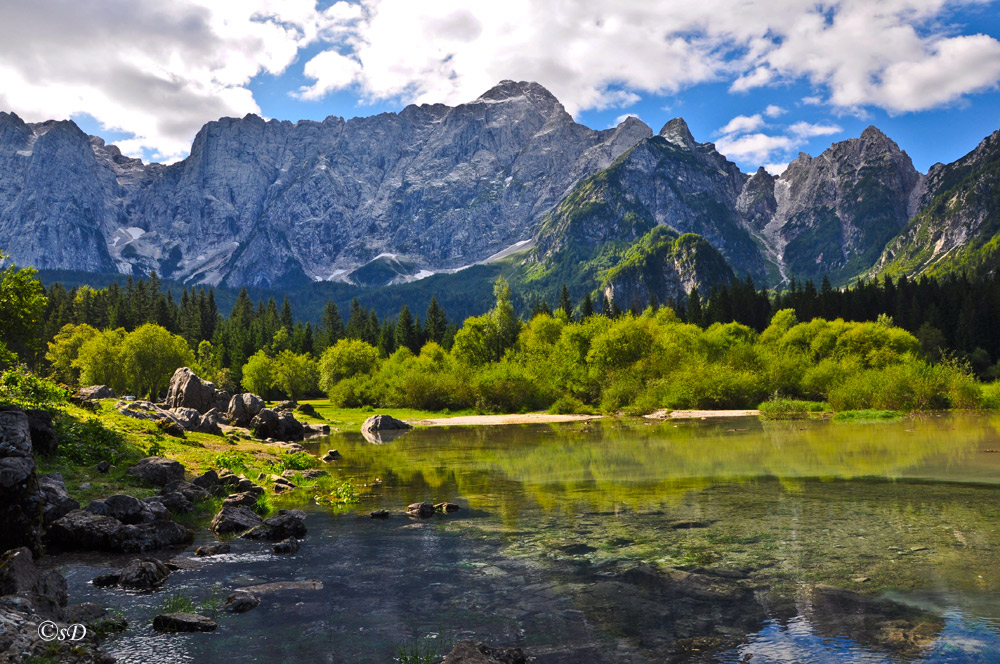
(496, 420)
(699, 414)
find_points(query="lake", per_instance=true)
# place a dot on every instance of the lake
(623, 541)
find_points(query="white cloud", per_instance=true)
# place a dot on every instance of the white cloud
(776, 169)
(900, 55)
(809, 130)
(773, 111)
(625, 116)
(757, 147)
(743, 123)
(154, 70)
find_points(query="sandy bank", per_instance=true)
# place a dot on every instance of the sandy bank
(699, 414)
(486, 420)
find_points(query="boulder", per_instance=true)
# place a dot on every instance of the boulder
(265, 424)
(315, 430)
(157, 471)
(20, 576)
(209, 481)
(189, 490)
(103, 467)
(188, 418)
(43, 435)
(313, 474)
(96, 392)
(287, 523)
(308, 409)
(234, 519)
(143, 574)
(20, 500)
(142, 410)
(379, 514)
(56, 501)
(183, 622)
(289, 428)
(187, 390)
(470, 652)
(155, 505)
(213, 549)
(286, 405)
(446, 508)
(384, 423)
(158, 534)
(331, 455)
(169, 427)
(288, 545)
(80, 529)
(241, 601)
(421, 510)
(243, 408)
(122, 507)
(246, 499)
(176, 502)
(106, 580)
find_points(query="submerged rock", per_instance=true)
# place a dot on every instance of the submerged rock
(287, 523)
(184, 622)
(213, 549)
(241, 601)
(422, 510)
(143, 574)
(470, 652)
(289, 545)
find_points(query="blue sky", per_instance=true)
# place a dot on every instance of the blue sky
(764, 80)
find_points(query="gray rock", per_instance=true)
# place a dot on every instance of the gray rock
(234, 519)
(103, 467)
(331, 455)
(189, 490)
(187, 390)
(285, 524)
(143, 410)
(287, 545)
(213, 549)
(243, 408)
(56, 501)
(43, 435)
(241, 601)
(20, 576)
(151, 536)
(470, 652)
(377, 423)
(143, 574)
(125, 509)
(209, 481)
(189, 418)
(245, 499)
(379, 514)
(264, 424)
(421, 510)
(97, 392)
(183, 622)
(446, 508)
(157, 471)
(156, 507)
(80, 529)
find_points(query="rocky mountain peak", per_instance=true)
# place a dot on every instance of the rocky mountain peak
(676, 131)
(507, 89)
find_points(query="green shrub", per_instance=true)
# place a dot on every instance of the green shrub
(90, 441)
(236, 462)
(506, 387)
(298, 461)
(789, 409)
(568, 405)
(23, 388)
(866, 415)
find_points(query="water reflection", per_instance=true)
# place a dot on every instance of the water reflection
(637, 542)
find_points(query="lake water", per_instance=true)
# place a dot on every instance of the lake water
(622, 541)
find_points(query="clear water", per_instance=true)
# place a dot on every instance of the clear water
(702, 541)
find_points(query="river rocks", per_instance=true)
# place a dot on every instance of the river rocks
(287, 523)
(246, 499)
(20, 502)
(421, 510)
(313, 474)
(379, 514)
(183, 622)
(470, 652)
(20, 576)
(446, 508)
(187, 390)
(213, 549)
(56, 501)
(280, 426)
(243, 408)
(81, 529)
(278, 586)
(232, 519)
(43, 435)
(315, 430)
(157, 471)
(331, 455)
(123, 508)
(143, 574)
(241, 601)
(158, 534)
(209, 481)
(96, 392)
(288, 545)
(281, 484)
(189, 490)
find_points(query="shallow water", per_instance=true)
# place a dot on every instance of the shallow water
(626, 542)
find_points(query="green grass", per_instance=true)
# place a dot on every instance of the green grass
(866, 415)
(790, 409)
(353, 418)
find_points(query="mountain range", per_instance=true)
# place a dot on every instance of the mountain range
(508, 180)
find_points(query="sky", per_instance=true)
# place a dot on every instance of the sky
(762, 79)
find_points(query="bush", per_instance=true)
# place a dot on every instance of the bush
(789, 409)
(23, 388)
(568, 405)
(90, 442)
(506, 387)
(354, 392)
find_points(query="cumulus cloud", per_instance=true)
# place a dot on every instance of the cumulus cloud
(150, 69)
(900, 55)
(774, 111)
(742, 141)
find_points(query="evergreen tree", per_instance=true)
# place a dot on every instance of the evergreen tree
(587, 308)
(287, 321)
(333, 325)
(435, 323)
(405, 334)
(565, 304)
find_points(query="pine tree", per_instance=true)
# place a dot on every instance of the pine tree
(565, 304)
(694, 307)
(435, 322)
(587, 308)
(287, 321)
(333, 324)
(406, 336)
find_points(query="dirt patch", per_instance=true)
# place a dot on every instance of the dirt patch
(699, 414)
(489, 420)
